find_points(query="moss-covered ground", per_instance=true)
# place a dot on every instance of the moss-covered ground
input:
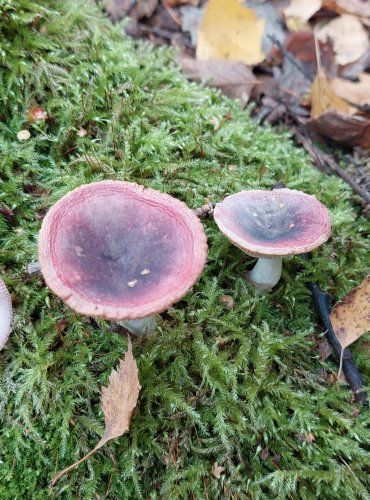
(218, 385)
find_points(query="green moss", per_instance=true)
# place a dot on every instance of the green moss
(218, 385)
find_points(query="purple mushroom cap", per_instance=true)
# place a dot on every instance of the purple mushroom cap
(273, 223)
(117, 250)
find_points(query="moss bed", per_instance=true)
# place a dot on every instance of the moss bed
(241, 387)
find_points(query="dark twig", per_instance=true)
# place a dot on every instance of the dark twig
(351, 372)
(326, 161)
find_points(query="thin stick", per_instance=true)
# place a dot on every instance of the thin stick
(350, 370)
(321, 160)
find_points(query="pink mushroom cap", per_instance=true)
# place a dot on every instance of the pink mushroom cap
(120, 251)
(5, 314)
(273, 223)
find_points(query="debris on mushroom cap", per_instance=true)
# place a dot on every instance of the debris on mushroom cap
(119, 251)
(280, 222)
(5, 314)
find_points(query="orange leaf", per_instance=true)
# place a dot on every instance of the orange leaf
(350, 317)
(230, 31)
(323, 97)
(118, 402)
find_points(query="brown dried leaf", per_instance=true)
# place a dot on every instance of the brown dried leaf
(350, 317)
(233, 78)
(349, 131)
(117, 9)
(323, 97)
(118, 402)
(324, 349)
(350, 39)
(354, 92)
(230, 31)
(310, 438)
(265, 453)
(302, 9)
(355, 7)
(217, 470)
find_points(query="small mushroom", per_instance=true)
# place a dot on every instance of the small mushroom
(119, 251)
(271, 225)
(5, 314)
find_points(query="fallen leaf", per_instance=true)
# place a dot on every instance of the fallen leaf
(230, 31)
(351, 71)
(324, 349)
(227, 300)
(233, 78)
(117, 9)
(217, 470)
(355, 7)
(302, 9)
(323, 97)
(310, 438)
(118, 402)
(143, 8)
(265, 453)
(81, 132)
(302, 45)
(348, 131)
(354, 92)
(350, 317)
(350, 39)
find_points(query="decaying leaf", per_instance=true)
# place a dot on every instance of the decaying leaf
(350, 317)
(323, 97)
(302, 9)
(117, 9)
(354, 92)
(217, 470)
(118, 402)
(230, 31)
(346, 130)
(356, 7)
(350, 39)
(190, 20)
(233, 78)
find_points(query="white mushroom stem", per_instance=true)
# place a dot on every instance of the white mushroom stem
(266, 273)
(5, 314)
(139, 327)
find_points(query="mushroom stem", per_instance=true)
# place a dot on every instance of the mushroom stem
(266, 273)
(140, 327)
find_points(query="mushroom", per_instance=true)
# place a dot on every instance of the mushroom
(5, 314)
(119, 251)
(271, 225)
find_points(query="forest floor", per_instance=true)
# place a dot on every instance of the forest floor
(236, 401)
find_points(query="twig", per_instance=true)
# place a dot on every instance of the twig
(166, 34)
(291, 58)
(351, 372)
(323, 160)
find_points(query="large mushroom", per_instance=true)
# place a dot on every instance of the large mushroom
(119, 251)
(5, 314)
(271, 225)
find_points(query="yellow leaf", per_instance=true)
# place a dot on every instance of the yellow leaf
(323, 97)
(230, 31)
(118, 402)
(350, 317)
